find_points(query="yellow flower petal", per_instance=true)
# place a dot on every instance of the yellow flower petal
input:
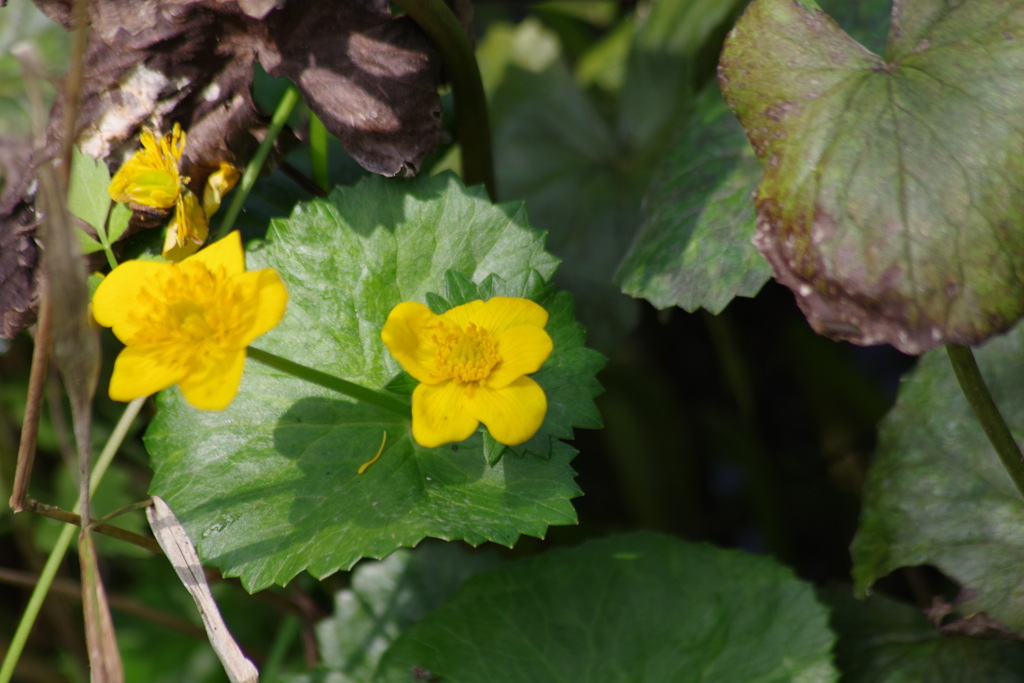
(512, 414)
(140, 373)
(223, 256)
(117, 296)
(502, 313)
(460, 315)
(439, 415)
(214, 387)
(522, 350)
(219, 184)
(271, 301)
(410, 334)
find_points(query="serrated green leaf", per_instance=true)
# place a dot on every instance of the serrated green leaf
(937, 493)
(300, 504)
(693, 249)
(642, 607)
(87, 190)
(891, 185)
(385, 599)
(885, 641)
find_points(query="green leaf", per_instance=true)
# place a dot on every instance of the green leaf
(87, 190)
(119, 217)
(268, 487)
(885, 641)
(694, 248)
(385, 599)
(661, 72)
(86, 243)
(890, 191)
(553, 149)
(937, 493)
(642, 607)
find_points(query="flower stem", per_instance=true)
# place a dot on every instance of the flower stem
(284, 110)
(381, 399)
(35, 602)
(318, 152)
(474, 128)
(973, 386)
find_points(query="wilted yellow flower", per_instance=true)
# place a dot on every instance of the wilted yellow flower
(188, 230)
(472, 364)
(188, 323)
(150, 177)
(219, 184)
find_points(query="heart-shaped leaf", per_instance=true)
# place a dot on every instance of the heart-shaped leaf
(269, 487)
(891, 201)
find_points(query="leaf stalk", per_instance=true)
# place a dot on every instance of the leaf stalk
(252, 171)
(973, 385)
(381, 399)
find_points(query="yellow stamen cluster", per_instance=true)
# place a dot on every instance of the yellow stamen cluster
(188, 307)
(466, 355)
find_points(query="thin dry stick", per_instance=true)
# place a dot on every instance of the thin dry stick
(97, 525)
(72, 590)
(33, 404)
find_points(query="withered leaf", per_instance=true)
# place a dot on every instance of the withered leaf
(372, 78)
(891, 200)
(19, 253)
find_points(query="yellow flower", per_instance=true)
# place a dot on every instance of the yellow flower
(472, 364)
(150, 177)
(187, 323)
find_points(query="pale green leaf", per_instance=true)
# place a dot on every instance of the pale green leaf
(87, 190)
(87, 243)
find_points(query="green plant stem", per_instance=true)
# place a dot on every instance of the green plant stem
(381, 399)
(973, 386)
(282, 642)
(67, 534)
(252, 171)
(318, 151)
(471, 120)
